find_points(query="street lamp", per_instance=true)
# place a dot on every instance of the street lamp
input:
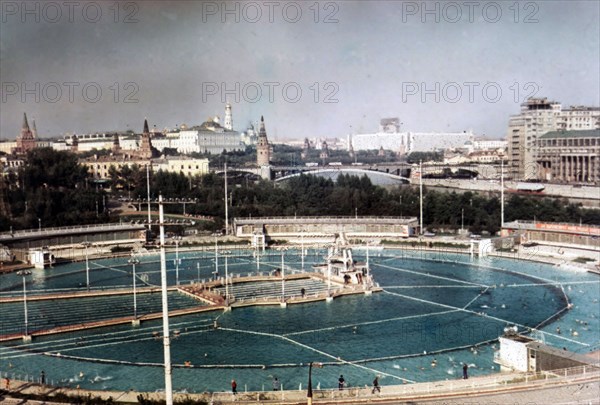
(177, 262)
(309, 395)
(25, 273)
(133, 261)
(86, 245)
(40, 224)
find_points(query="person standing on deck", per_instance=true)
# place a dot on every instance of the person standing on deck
(376, 386)
(341, 382)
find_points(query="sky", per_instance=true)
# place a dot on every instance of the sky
(312, 69)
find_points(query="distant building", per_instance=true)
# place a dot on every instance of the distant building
(145, 148)
(263, 149)
(537, 117)
(209, 137)
(26, 140)
(569, 156)
(324, 154)
(119, 143)
(579, 118)
(389, 125)
(99, 167)
(389, 137)
(249, 136)
(228, 124)
(489, 144)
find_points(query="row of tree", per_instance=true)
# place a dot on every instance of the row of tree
(54, 189)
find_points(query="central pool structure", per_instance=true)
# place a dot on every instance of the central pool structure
(437, 311)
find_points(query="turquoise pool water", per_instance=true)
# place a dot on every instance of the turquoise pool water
(445, 307)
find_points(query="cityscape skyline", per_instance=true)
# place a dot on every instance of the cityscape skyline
(322, 69)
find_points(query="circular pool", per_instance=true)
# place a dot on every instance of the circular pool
(436, 311)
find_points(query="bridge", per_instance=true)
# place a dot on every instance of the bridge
(400, 171)
(332, 171)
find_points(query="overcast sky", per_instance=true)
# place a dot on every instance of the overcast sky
(354, 62)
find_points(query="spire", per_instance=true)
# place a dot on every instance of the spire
(25, 124)
(262, 131)
(146, 130)
(33, 129)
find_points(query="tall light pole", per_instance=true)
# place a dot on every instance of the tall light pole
(40, 224)
(87, 265)
(302, 248)
(226, 205)
(226, 283)
(165, 307)
(177, 262)
(282, 279)
(309, 394)
(421, 194)
(216, 256)
(501, 193)
(133, 261)
(148, 187)
(25, 273)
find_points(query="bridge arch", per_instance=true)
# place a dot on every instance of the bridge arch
(354, 171)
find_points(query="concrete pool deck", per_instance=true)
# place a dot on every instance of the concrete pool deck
(575, 385)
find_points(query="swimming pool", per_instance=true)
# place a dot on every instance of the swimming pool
(436, 312)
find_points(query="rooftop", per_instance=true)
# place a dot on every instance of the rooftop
(590, 133)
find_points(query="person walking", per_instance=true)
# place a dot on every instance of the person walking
(376, 386)
(43, 377)
(465, 371)
(276, 384)
(233, 387)
(341, 382)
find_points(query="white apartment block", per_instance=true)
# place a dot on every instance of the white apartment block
(577, 118)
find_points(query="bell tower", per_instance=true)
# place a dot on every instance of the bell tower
(228, 124)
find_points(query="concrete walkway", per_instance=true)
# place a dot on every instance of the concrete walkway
(560, 387)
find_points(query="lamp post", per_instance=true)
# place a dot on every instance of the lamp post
(302, 248)
(309, 394)
(87, 265)
(25, 273)
(177, 261)
(40, 224)
(133, 261)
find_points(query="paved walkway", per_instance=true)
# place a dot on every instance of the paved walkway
(506, 388)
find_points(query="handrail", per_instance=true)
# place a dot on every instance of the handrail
(45, 231)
